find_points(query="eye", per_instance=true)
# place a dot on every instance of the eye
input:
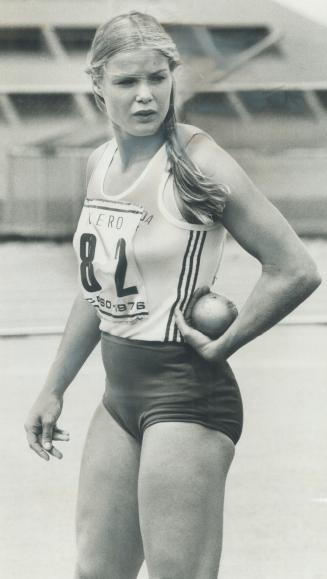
(157, 78)
(126, 81)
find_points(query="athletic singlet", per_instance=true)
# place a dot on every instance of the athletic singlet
(138, 259)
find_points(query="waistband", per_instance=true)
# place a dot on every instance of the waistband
(147, 344)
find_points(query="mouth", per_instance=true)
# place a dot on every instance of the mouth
(145, 113)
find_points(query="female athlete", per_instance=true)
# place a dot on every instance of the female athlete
(160, 197)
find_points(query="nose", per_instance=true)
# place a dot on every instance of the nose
(144, 94)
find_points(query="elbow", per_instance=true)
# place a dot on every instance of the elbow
(307, 279)
(301, 280)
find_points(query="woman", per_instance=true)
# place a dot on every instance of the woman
(160, 197)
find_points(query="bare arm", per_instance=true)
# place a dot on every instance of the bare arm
(288, 274)
(80, 336)
(81, 333)
(79, 339)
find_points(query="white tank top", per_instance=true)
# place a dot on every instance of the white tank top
(138, 257)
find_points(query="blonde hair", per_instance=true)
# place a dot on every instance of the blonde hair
(202, 199)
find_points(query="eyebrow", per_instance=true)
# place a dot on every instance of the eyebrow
(133, 75)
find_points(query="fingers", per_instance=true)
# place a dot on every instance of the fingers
(56, 453)
(53, 451)
(34, 444)
(191, 336)
(51, 432)
(39, 440)
(206, 347)
(47, 428)
(61, 430)
(59, 434)
(181, 322)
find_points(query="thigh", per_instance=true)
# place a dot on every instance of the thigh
(107, 522)
(182, 478)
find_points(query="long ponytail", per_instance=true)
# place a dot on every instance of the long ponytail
(203, 199)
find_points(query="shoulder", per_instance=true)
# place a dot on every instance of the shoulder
(186, 133)
(94, 158)
(206, 153)
(211, 159)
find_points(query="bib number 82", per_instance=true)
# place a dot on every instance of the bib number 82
(90, 283)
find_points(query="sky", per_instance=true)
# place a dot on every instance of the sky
(315, 9)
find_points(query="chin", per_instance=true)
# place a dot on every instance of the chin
(145, 131)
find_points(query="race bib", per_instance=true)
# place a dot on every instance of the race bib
(109, 275)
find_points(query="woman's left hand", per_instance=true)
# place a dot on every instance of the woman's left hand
(209, 349)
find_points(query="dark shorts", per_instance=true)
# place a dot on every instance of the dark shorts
(150, 382)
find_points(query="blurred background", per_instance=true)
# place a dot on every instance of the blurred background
(254, 75)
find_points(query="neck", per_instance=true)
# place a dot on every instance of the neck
(133, 149)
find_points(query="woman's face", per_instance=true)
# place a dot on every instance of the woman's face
(136, 88)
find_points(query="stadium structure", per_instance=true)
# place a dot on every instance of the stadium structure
(254, 76)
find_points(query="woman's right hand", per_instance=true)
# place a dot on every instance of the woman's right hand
(41, 428)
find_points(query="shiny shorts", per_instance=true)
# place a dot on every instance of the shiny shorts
(151, 382)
